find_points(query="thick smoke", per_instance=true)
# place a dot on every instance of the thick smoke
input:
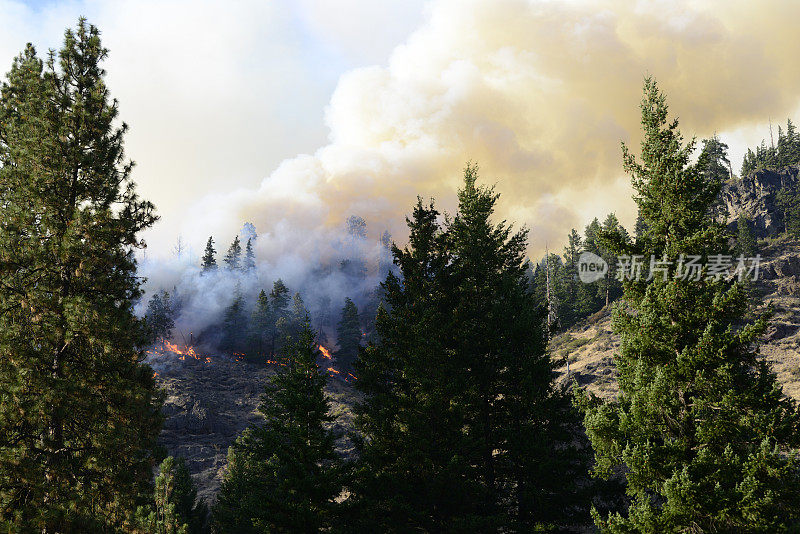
(539, 94)
(348, 266)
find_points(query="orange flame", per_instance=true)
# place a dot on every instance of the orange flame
(325, 353)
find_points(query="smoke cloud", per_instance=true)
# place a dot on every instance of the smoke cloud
(540, 94)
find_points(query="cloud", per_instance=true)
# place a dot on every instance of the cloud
(540, 94)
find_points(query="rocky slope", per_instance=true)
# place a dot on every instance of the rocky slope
(754, 197)
(208, 404)
(588, 348)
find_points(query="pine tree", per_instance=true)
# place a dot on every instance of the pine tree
(163, 517)
(291, 323)
(788, 202)
(746, 242)
(159, 317)
(283, 476)
(700, 427)
(713, 161)
(191, 511)
(78, 412)
(262, 328)
(209, 257)
(249, 264)
(234, 326)
(463, 427)
(348, 334)
(233, 258)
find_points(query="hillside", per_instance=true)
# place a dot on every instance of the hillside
(208, 404)
(589, 346)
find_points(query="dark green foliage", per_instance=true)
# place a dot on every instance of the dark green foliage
(174, 509)
(235, 325)
(463, 429)
(290, 324)
(348, 334)
(233, 258)
(279, 297)
(788, 202)
(189, 510)
(162, 517)
(787, 152)
(713, 161)
(283, 476)
(746, 244)
(249, 263)
(78, 412)
(159, 316)
(209, 257)
(262, 329)
(701, 428)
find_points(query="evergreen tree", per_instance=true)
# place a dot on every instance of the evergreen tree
(348, 334)
(700, 428)
(746, 242)
(788, 202)
(78, 412)
(249, 258)
(283, 476)
(159, 316)
(279, 297)
(163, 518)
(262, 328)
(234, 326)
(209, 257)
(291, 323)
(190, 510)
(463, 429)
(233, 258)
(713, 161)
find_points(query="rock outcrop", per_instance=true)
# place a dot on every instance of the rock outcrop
(755, 197)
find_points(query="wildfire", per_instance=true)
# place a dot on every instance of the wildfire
(325, 353)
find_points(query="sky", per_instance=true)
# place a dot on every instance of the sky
(294, 114)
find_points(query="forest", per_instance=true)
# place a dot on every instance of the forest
(460, 426)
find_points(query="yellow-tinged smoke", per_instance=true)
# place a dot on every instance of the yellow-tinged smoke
(540, 94)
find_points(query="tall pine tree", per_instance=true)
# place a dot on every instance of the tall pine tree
(283, 476)
(78, 411)
(464, 430)
(701, 428)
(348, 334)
(233, 258)
(209, 257)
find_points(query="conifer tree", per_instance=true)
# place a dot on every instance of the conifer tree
(788, 202)
(262, 328)
(701, 428)
(234, 326)
(291, 323)
(249, 263)
(233, 258)
(283, 476)
(713, 160)
(159, 317)
(209, 257)
(191, 511)
(348, 334)
(745, 242)
(279, 297)
(78, 411)
(163, 517)
(463, 428)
